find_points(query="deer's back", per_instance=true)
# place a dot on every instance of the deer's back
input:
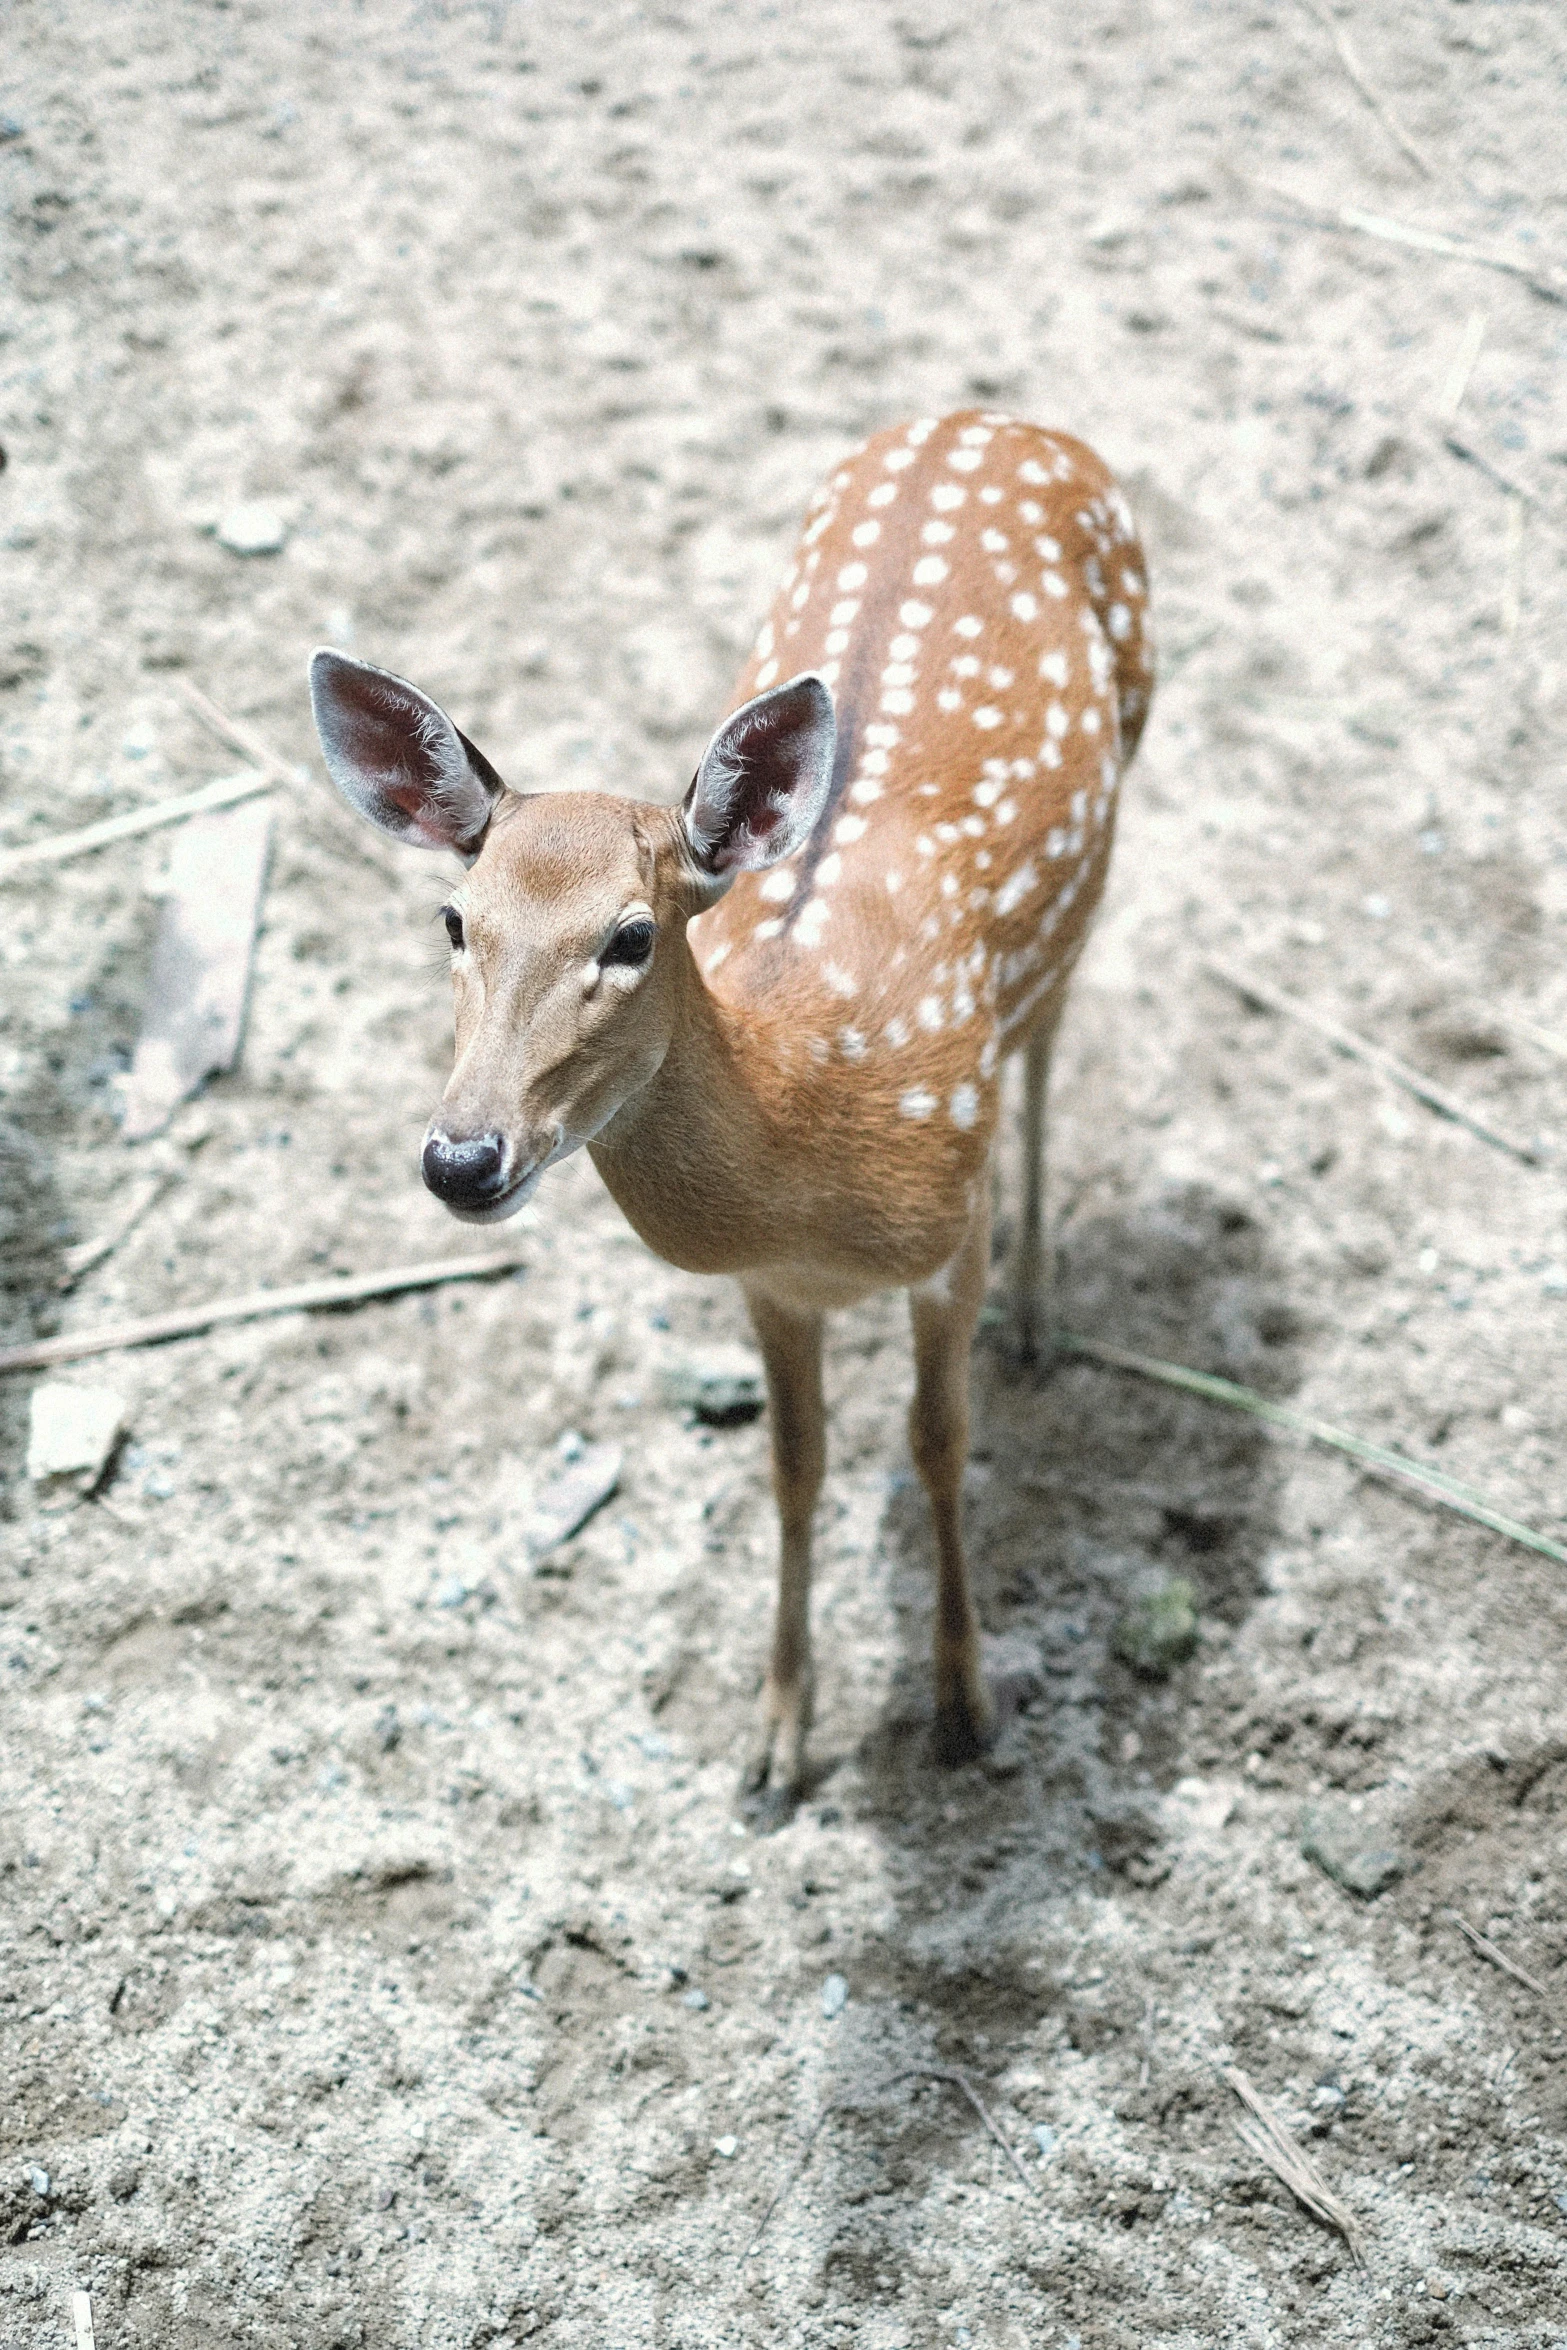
(973, 592)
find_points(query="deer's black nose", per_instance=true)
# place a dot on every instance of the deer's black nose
(464, 1174)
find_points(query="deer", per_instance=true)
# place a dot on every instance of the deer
(776, 1015)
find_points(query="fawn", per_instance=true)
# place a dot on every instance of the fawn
(776, 1015)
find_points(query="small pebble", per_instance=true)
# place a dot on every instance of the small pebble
(1159, 1631)
(1045, 2140)
(38, 2180)
(727, 2147)
(253, 529)
(835, 1996)
(696, 2001)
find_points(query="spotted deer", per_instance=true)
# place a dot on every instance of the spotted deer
(777, 1014)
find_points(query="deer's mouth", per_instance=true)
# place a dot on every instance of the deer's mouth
(505, 1203)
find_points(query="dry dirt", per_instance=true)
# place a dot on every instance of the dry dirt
(358, 1885)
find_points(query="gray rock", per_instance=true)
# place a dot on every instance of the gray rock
(38, 2179)
(696, 2001)
(835, 1996)
(253, 528)
(724, 1386)
(1351, 1850)
(1159, 1631)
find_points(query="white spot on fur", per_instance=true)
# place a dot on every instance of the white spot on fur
(865, 534)
(947, 497)
(916, 1103)
(779, 886)
(949, 699)
(993, 542)
(936, 534)
(1024, 607)
(849, 829)
(969, 625)
(1053, 584)
(964, 1106)
(840, 981)
(853, 575)
(883, 494)
(929, 571)
(841, 614)
(987, 717)
(1053, 669)
(964, 460)
(766, 674)
(828, 870)
(852, 1044)
(897, 1034)
(915, 615)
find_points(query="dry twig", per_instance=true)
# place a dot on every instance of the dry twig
(304, 1297)
(1372, 96)
(81, 2315)
(239, 736)
(1376, 1457)
(60, 845)
(913, 2072)
(1488, 1949)
(1271, 2142)
(87, 1253)
(1360, 1048)
(1463, 365)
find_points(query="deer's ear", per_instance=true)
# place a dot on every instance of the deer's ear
(764, 779)
(396, 756)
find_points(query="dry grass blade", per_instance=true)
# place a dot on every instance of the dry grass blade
(1548, 1042)
(305, 1297)
(1376, 1457)
(1372, 96)
(914, 2072)
(1360, 1048)
(1468, 454)
(62, 845)
(1550, 284)
(1271, 2142)
(1499, 1958)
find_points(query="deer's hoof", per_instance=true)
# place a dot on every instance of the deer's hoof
(962, 1733)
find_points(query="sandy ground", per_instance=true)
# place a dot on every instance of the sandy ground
(386, 1958)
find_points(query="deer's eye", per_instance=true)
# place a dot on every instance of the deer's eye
(632, 943)
(454, 930)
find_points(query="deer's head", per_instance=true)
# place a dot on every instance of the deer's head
(569, 954)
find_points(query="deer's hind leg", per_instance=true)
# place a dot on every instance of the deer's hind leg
(1030, 1272)
(791, 1346)
(945, 1311)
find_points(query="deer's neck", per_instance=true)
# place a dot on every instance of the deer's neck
(698, 1160)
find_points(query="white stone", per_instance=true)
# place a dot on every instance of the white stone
(72, 1432)
(253, 529)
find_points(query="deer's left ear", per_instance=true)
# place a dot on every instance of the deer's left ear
(396, 757)
(764, 779)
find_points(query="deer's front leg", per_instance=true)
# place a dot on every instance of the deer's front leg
(792, 1352)
(945, 1311)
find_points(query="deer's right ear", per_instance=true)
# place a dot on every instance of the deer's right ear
(396, 757)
